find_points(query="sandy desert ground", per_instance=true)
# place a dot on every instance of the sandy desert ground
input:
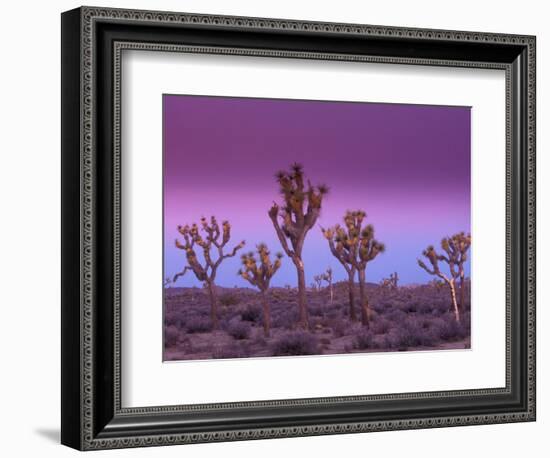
(403, 319)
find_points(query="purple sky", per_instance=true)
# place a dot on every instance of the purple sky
(407, 166)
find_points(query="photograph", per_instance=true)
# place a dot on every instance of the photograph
(277, 221)
(314, 227)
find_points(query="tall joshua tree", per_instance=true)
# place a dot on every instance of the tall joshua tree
(456, 249)
(258, 272)
(300, 210)
(355, 246)
(215, 239)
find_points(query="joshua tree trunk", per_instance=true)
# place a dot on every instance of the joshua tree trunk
(365, 312)
(351, 292)
(303, 321)
(456, 311)
(461, 304)
(267, 316)
(213, 304)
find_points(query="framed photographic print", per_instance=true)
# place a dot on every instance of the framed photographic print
(277, 228)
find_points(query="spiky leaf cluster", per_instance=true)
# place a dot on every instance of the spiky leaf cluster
(433, 258)
(353, 244)
(455, 248)
(456, 251)
(301, 207)
(258, 268)
(325, 276)
(215, 239)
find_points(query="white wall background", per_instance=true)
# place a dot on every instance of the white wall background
(30, 215)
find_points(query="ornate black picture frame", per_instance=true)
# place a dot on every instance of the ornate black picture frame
(92, 42)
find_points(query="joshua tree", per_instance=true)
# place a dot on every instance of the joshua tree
(215, 239)
(167, 282)
(368, 249)
(258, 272)
(292, 222)
(317, 282)
(455, 248)
(344, 252)
(326, 276)
(390, 282)
(355, 246)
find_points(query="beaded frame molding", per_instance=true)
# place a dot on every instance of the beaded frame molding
(93, 40)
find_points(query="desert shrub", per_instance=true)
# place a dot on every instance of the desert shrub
(316, 310)
(448, 329)
(426, 308)
(171, 335)
(388, 341)
(284, 319)
(379, 307)
(441, 308)
(176, 319)
(196, 312)
(339, 306)
(295, 344)
(380, 326)
(333, 314)
(410, 307)
(229, 299)
(397, 316)
(231, 351)
(338, 326)
(325, 341)
(393, 303)
(259, 340)
(251, 313)
(197, 324)
(414, 333)
(363, 340)
(238, 330)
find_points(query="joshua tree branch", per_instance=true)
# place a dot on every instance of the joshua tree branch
(425, 267)
(339, 256)
(232, 253)
(281, 236)
(181, 274)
